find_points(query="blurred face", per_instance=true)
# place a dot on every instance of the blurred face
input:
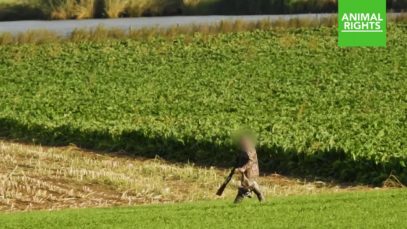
(246, 143)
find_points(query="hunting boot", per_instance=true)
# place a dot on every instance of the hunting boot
(240, 195)
(248, 194)
(259, 194)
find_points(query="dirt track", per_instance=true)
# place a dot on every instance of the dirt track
(64, 27)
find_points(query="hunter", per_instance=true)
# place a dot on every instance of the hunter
(248, 167)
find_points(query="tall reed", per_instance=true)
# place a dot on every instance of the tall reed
(69, 9)
(115, 8)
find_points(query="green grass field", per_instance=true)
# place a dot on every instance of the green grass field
(374, 209)
(317, 108)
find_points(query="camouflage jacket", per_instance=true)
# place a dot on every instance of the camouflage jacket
(247, 160)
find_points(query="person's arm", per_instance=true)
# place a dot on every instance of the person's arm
(250, 161)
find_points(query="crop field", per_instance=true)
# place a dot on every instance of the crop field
(317, 109)
(350, 210)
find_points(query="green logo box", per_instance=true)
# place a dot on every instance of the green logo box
(362, 23)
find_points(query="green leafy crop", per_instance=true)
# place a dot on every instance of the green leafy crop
(316, 108)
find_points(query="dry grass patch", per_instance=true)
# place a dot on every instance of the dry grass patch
(35, 177)
(70, 9)
(101, 33)
(114, 8)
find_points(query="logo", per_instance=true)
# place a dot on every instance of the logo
(362, 23)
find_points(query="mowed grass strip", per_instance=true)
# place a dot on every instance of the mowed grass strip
(51, 178)
(375, 209)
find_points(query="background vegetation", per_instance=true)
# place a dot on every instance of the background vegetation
(80, 9)
(318, 109)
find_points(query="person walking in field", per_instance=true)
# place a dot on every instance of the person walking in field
(248, 167)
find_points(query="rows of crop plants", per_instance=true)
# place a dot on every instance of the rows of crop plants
(317, 109)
